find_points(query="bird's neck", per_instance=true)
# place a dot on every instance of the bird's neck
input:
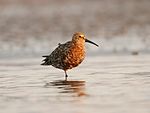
(79, 43)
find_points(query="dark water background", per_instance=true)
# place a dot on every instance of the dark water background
(114, 78)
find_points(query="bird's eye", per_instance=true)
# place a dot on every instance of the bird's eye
(81, 36)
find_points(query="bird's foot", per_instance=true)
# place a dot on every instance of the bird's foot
(66, 76)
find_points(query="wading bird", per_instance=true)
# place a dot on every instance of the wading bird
(68, 55)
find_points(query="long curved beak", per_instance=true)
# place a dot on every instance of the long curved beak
(86, 40)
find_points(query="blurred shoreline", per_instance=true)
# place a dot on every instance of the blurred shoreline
(34, 27)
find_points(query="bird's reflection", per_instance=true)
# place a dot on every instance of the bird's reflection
(77, 87)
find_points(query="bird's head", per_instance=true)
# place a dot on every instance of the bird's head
(80, 38)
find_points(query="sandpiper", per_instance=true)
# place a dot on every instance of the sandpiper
(68, 55)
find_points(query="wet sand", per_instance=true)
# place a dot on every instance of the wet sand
(107, 84)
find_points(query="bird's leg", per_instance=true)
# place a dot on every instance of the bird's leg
(66, 75)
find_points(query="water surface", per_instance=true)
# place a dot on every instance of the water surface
(107, 84)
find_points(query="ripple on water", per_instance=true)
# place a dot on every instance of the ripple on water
(113, 86)
(76, 87)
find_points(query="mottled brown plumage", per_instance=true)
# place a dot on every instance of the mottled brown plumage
(68, 55)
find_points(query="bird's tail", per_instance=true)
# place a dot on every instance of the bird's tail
(46, 60)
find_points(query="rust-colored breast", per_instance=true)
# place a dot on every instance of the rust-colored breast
(74, 56)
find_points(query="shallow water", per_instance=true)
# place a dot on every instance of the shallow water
(106, 84)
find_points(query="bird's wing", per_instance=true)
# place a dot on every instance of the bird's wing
(57, 55)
